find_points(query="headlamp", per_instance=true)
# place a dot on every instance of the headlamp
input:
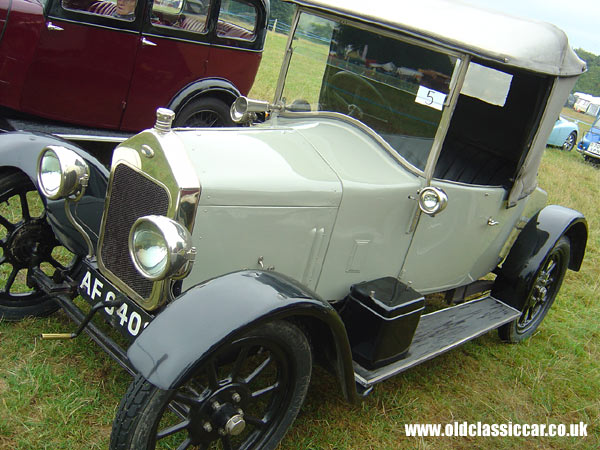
(160, 248)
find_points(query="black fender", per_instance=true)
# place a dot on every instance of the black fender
(215, 312)
(515, 279)
(20, 151)
(216, 87)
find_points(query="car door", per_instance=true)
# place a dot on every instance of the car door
(83, 64)
(476, 169)
(173, 53)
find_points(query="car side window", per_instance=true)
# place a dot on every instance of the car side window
(119, 9)
(237, 20)
(190, 15)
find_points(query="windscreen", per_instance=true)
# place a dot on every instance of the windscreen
(395, 87)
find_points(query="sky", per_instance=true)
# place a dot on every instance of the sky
(580, 19)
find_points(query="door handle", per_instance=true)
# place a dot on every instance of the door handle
(51, 27)
(148, 43)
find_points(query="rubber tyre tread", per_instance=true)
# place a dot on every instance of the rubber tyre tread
(133, 417)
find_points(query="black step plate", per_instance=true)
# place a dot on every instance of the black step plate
(441, 331)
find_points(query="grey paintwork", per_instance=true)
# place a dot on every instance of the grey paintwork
(326, 204)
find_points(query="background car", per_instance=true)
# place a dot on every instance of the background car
(564, 134)
(590, 144)
(79, 62)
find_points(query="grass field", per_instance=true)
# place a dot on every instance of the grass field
(64, 394)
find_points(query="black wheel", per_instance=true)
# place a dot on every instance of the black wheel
(245, 396)
(204, 112)
(26, 241)
(545, 288)
(570, 142)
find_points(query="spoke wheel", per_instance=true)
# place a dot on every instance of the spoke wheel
(545, 287)
(204, 112)
(26, 241)
(245, 396)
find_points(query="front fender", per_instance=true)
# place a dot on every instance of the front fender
(528, 253)
(20, 151)
(213, 313)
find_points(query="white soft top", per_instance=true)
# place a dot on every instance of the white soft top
(518, 42)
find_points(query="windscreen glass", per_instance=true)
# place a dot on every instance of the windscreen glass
(397, 88)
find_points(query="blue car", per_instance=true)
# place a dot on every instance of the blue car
(564, 134)
(590, 144)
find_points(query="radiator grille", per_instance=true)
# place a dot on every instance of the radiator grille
(132, 196)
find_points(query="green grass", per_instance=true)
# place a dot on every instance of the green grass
(64, 394)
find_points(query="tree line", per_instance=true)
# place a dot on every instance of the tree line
(589, 82)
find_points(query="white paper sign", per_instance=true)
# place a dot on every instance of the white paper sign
(430, 97)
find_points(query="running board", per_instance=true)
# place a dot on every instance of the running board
(441, 331)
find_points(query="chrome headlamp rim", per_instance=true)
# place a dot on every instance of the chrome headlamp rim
(73, 173)
(180, 253)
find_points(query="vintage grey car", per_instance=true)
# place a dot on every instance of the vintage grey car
(397, 162)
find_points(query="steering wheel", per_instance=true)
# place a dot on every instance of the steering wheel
(355, 96)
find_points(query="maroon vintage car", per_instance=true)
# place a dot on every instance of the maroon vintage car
(109, 64)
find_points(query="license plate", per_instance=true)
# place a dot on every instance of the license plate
(128, 318)
(594, 147)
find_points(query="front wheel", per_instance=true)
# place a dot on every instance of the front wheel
(543, 293)
(244, 396)
(26, 242)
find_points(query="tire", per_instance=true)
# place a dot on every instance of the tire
(261, 378)
(570, 142)
(26, 241)
(204, 112)
(545, 287)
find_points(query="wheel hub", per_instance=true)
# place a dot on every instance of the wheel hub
(220, 415)
(29, 243)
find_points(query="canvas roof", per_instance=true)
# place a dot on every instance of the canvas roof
(519, 42)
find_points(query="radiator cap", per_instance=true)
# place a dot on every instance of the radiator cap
(164, 119)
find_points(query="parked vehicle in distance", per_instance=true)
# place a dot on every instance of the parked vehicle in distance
(564, 134)
(83, 63)
(377, 216)
(590, 144)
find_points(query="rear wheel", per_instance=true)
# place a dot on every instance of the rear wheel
(26, 241)
(204, 112)
(543, 293)
(244, 396)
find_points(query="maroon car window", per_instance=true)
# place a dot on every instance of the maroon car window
(237, 19)
(119, 9)
(190, 15)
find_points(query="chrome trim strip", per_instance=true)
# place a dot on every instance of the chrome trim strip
(91, 24)
(285, 65)
(91, 137)
(456, 84)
